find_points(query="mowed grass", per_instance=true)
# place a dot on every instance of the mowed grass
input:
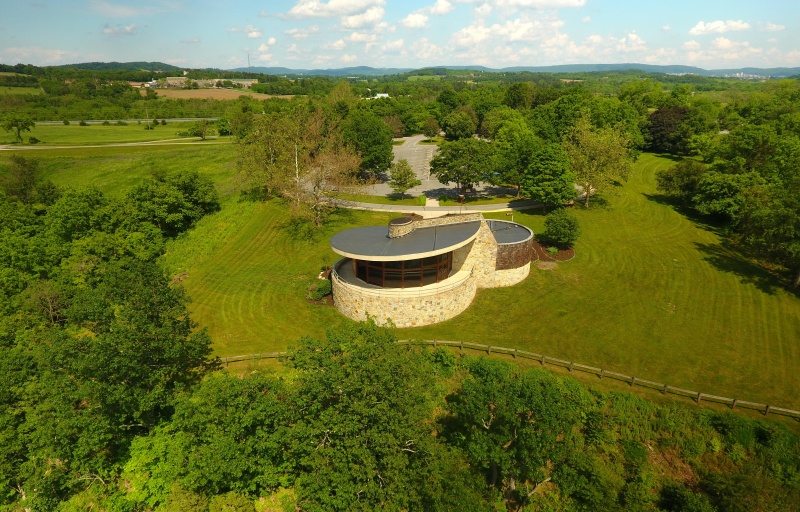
(19, 90)
(115, 170)
(94, 134)
(650, 293)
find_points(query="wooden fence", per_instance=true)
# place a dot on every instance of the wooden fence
(601, 373)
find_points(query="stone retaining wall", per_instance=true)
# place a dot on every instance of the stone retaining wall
(406, 308)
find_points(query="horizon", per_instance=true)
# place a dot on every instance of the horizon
(336, 34)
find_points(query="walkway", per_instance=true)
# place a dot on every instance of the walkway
(429, 211)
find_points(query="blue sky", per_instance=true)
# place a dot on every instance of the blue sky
(712, 34)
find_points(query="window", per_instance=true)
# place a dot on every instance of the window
(405, 274)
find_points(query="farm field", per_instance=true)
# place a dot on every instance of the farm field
(115, 170)
(96, 134)
(20, 90)
(215, 94)
(649, 293)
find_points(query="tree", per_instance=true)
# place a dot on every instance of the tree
(597, 157)
(463, 161)
(516, 145)
(547, 178)
(431, 128)
(22, 178)
(515, 427)
(561, 228)
(17, 123)
(403, 177)
(681, 180)
(459, 125)
(370, 137)
(520, 96)
(200, 129)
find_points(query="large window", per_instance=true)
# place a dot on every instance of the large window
(405, 274)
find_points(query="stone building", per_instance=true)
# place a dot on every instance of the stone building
(422, 271)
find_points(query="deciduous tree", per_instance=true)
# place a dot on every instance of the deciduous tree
(17, 123)
(464, 162)
(403, 177)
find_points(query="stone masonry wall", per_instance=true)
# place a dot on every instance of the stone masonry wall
(481, 258)
(514, 255)
(404, 310)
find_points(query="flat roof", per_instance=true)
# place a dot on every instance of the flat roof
(373, 242)
(508, 232)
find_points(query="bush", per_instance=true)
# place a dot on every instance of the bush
(560, 228)
(422, 200)
(83, 123)
(66, 123)
(319, 290)
(163, 122)
(106, 123)
(121, 123)
(33, 140)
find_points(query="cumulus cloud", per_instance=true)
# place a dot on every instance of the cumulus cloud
(519, 29)
(542, 4)
(339, 44)
(348, 58)
(119, 30)
(691, 45)
(319, 8)
(631, 43)
(302, 33)
(718, 27)
(586, 19)
(265, 57)
(252, 32)
(415, 20)
(722, 48)
(666, 28)
(771, 27)
(419, 18)
(393, 46)
(369, 17)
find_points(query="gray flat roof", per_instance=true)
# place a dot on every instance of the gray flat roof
(508, 232)
(373, 242)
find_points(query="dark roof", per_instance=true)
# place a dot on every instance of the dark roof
(373, 242)
(509, 232)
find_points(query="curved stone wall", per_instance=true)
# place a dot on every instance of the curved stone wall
(509, 277)
(409, 307)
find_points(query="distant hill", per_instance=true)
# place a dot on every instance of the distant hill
(123, 66)
(353, 71)
(563, 68)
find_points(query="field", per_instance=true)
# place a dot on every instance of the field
(97, 134)
(214, 94)
(649, 293)
(20, 90)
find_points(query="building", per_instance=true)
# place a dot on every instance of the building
(423, 271)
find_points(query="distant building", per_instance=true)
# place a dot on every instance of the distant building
(379, 96)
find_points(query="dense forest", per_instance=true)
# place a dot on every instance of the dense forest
(113, 399)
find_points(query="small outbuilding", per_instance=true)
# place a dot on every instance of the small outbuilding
(422, 271)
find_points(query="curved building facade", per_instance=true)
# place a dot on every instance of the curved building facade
(419, 272)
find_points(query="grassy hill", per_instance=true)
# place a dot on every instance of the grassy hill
(649, 293)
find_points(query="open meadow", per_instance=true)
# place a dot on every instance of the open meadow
(97, 134)
(650, 292)
(214, 94)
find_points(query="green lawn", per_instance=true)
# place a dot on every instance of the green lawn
(20, 90)
(391, 199)
(649, 293)
(115, 170)
(94, 134)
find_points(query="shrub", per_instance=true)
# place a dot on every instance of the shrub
(422, 200)
(83, 123)
(66, 123)
(560, 228)
(121, 123)
(319, 290)
(33, 140)
(106, 123)
(163, 122)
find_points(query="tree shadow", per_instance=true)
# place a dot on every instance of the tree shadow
(727, 259)
(713, 224)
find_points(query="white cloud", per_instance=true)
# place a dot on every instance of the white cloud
(292, 48)
(263, 48)
(542, 4)
(586, 19)
(631, 43)
(723, 49)
(319, 8)
(393, 46)
(666, 28)
(771, 27)
(426, 51)
(718, 27)
(348, 58)
(415, 20)
(691, 45)
(419, 18)
(369, 17)
(271, 41)
(119, 30)
(35, 54)
(471, 35)
(336, 45)
(194, 40)
(252, 32)
(264, 57)
(525, 29)
(110, 10)
(301, 33)
(483, 10)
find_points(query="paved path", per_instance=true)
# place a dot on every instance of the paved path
(429, 211)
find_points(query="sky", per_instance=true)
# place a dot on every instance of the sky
(327, 34)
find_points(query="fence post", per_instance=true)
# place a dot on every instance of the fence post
(571, 365)
(601, 373)
(543, 360)
(514, 355)
(698, 397)
(664, 391)
(733, 405)
(434, 343)
(461, 345)
(766, 411)
(488, 349)
(633, 381)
